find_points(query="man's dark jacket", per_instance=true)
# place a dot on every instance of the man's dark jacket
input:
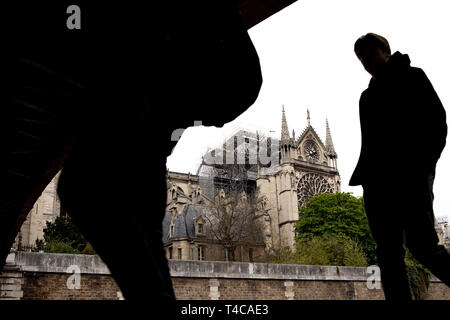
(403, 125)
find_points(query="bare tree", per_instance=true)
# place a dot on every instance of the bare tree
(238, 215)
(236, 219)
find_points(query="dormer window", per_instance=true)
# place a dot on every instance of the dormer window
(200, 227)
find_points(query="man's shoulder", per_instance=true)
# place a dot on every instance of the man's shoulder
(416, 79)
(411, 73)
(416, 71)
(407, 76)
(364, 99)
(365, 93)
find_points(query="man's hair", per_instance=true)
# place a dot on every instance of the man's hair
(371, 41)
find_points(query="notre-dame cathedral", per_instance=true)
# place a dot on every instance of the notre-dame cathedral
(304, 166)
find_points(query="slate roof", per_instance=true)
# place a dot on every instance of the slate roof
(183, 226)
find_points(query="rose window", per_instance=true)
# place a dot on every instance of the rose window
(311, 184)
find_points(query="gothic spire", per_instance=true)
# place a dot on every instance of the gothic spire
(284, 127)
(329, 142)
(308, 118)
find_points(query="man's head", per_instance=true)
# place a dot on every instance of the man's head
(373, 51)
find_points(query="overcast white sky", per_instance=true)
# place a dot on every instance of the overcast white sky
(306, 54)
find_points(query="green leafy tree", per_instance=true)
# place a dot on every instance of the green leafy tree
(55, 246)
(63, 236)
(322, 250)
(328, 250)
(339, 215)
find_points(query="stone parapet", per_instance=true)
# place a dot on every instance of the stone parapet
(89, 264)
(42, 276)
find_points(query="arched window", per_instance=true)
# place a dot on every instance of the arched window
(310, 185)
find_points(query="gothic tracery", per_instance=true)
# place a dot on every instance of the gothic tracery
(310, 185)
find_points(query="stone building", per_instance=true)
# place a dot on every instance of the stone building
(187, 236)
(187, 231)
(443, 231)
(46, 208)
(446, 240)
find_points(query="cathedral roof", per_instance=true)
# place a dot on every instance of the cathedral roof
(308, 129)
(166, 226)
(328, 145)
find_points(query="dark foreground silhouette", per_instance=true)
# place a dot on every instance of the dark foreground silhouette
(403, 126)
(104, 101)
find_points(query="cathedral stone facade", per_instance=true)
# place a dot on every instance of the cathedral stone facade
(307, 167)
(46, 209)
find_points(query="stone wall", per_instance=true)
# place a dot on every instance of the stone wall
(53, 286)
(42, 276)
(46, 276)
(260, 281)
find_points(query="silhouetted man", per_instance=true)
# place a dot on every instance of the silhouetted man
(104, 100)
(403, 131)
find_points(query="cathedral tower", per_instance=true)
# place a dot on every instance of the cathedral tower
(307, 167)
